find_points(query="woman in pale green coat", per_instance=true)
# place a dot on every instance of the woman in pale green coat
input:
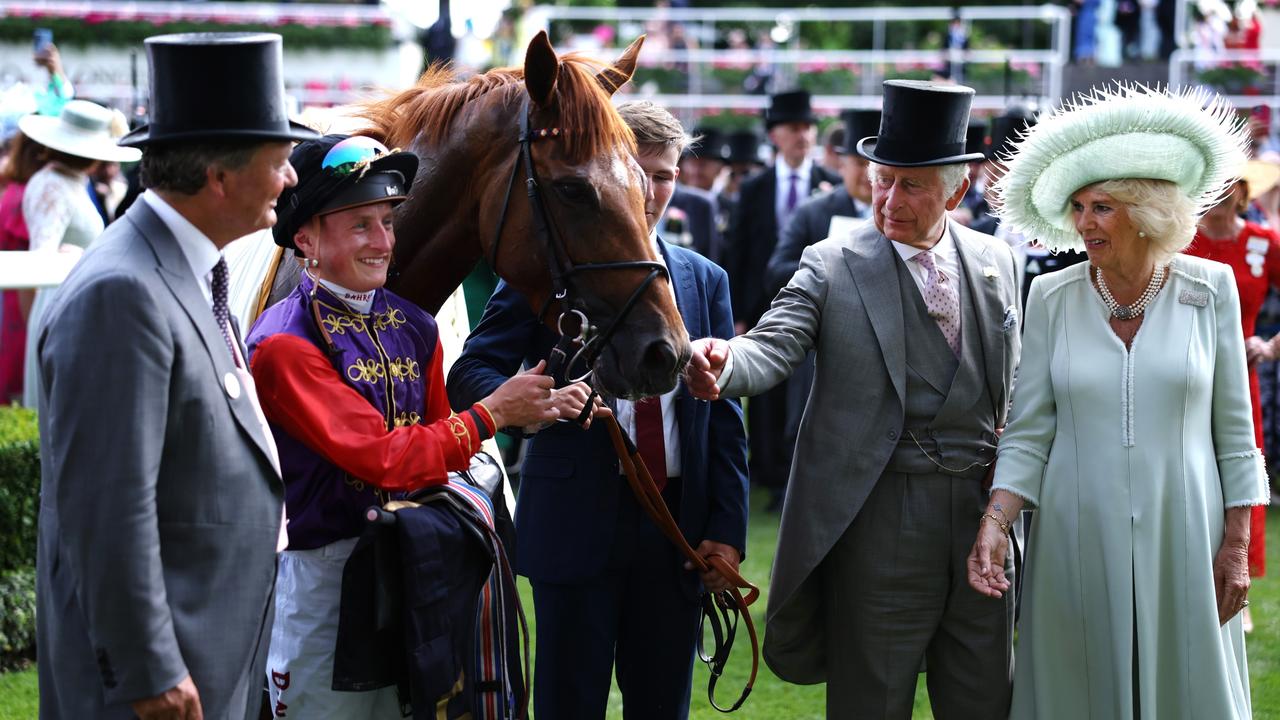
(1131, 433)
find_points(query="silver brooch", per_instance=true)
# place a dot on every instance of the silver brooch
(1193, 297)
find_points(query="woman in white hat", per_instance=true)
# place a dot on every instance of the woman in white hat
(1253, 252)
(56, 205)
(1131, 433)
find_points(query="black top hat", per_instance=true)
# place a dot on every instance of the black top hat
(857, 125)
(743, 147)
(223, 86)
(789, 106)
(1008, 127)
(710, 144)
(922, 124)
(975, 139)
(337, 172)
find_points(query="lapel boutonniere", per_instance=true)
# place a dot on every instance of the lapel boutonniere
(990, 271)
(823, 186)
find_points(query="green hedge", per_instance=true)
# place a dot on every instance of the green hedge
(19, 504)
(74, 32)
(19, 487)
(17, 618)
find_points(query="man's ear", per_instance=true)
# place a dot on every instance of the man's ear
(305, 237)
(953, 202)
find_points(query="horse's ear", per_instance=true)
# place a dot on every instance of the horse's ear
(612, 78)
(541, 68)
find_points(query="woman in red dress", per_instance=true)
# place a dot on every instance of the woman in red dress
(25, 156)
(1253, 252)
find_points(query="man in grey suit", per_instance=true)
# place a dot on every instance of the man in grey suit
(914, 322)
(161, 500)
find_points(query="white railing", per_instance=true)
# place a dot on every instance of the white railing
(1038, 70)
(224, 12)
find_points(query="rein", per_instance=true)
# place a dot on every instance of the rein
(722, 610)
(561, 268)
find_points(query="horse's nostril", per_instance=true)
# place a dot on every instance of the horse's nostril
(659, 357)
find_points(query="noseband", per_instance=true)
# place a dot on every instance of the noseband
(561, 267)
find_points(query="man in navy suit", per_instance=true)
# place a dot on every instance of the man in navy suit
(607, 587)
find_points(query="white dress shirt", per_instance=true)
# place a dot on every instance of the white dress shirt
(783, 171)
(625, 411)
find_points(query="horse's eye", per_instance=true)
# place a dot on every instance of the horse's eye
(574, 192)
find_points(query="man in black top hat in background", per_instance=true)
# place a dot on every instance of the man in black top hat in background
(831, 212)
(1032, 259)
(828, 214)
(766, 202)
(704, 162)
(742, 153)
(974, 206)
(914, 321)
(162, 508)
(692, 219)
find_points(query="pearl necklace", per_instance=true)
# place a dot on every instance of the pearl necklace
(1129, 312)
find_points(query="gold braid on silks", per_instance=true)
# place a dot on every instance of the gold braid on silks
(461, 433)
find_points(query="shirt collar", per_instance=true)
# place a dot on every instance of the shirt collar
(945, 247)
(199, 250)
(784, 171)
(361, 302)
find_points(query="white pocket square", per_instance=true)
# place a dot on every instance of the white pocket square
(990, 271)
(1010, 318)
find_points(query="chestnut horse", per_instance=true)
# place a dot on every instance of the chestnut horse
(591, 191)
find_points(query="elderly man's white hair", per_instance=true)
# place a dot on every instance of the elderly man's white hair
(951, 176)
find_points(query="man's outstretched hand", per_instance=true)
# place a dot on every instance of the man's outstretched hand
(704, 368)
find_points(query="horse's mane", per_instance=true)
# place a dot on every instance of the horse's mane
(589, 123)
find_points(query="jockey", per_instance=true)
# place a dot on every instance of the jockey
(350, 377)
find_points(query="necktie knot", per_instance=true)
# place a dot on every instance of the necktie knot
(941, 299)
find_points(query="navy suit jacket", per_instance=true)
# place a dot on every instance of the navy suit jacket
(571, 482)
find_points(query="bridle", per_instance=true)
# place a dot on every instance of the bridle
(582, 347)
(560, 266)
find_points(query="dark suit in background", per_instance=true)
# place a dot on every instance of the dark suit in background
(753, 235)
(809, 225)
(701, 210)
(606, 585)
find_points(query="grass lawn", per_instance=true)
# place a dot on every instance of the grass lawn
(773, 699)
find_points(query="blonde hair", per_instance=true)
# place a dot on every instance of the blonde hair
(1157, 208)
(653, 125)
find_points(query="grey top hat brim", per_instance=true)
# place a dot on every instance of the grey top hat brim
(142, 136)
(867, 148)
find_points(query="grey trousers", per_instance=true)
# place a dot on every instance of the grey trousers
(897, 598)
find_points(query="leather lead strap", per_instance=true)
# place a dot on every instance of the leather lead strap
(722, 608)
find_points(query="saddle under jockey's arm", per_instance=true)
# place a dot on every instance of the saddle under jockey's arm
(302, 394)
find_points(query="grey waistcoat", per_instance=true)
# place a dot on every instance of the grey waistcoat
(953, 436)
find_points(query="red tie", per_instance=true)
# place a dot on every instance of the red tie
(649, 439)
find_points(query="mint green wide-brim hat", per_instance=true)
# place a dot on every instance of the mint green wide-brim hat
(1190, 137)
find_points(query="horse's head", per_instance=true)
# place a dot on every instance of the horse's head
(472, 200)
(593, 192)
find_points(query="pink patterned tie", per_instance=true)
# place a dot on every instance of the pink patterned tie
(943, 301)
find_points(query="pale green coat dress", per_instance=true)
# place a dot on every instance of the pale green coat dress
(1130, 458)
